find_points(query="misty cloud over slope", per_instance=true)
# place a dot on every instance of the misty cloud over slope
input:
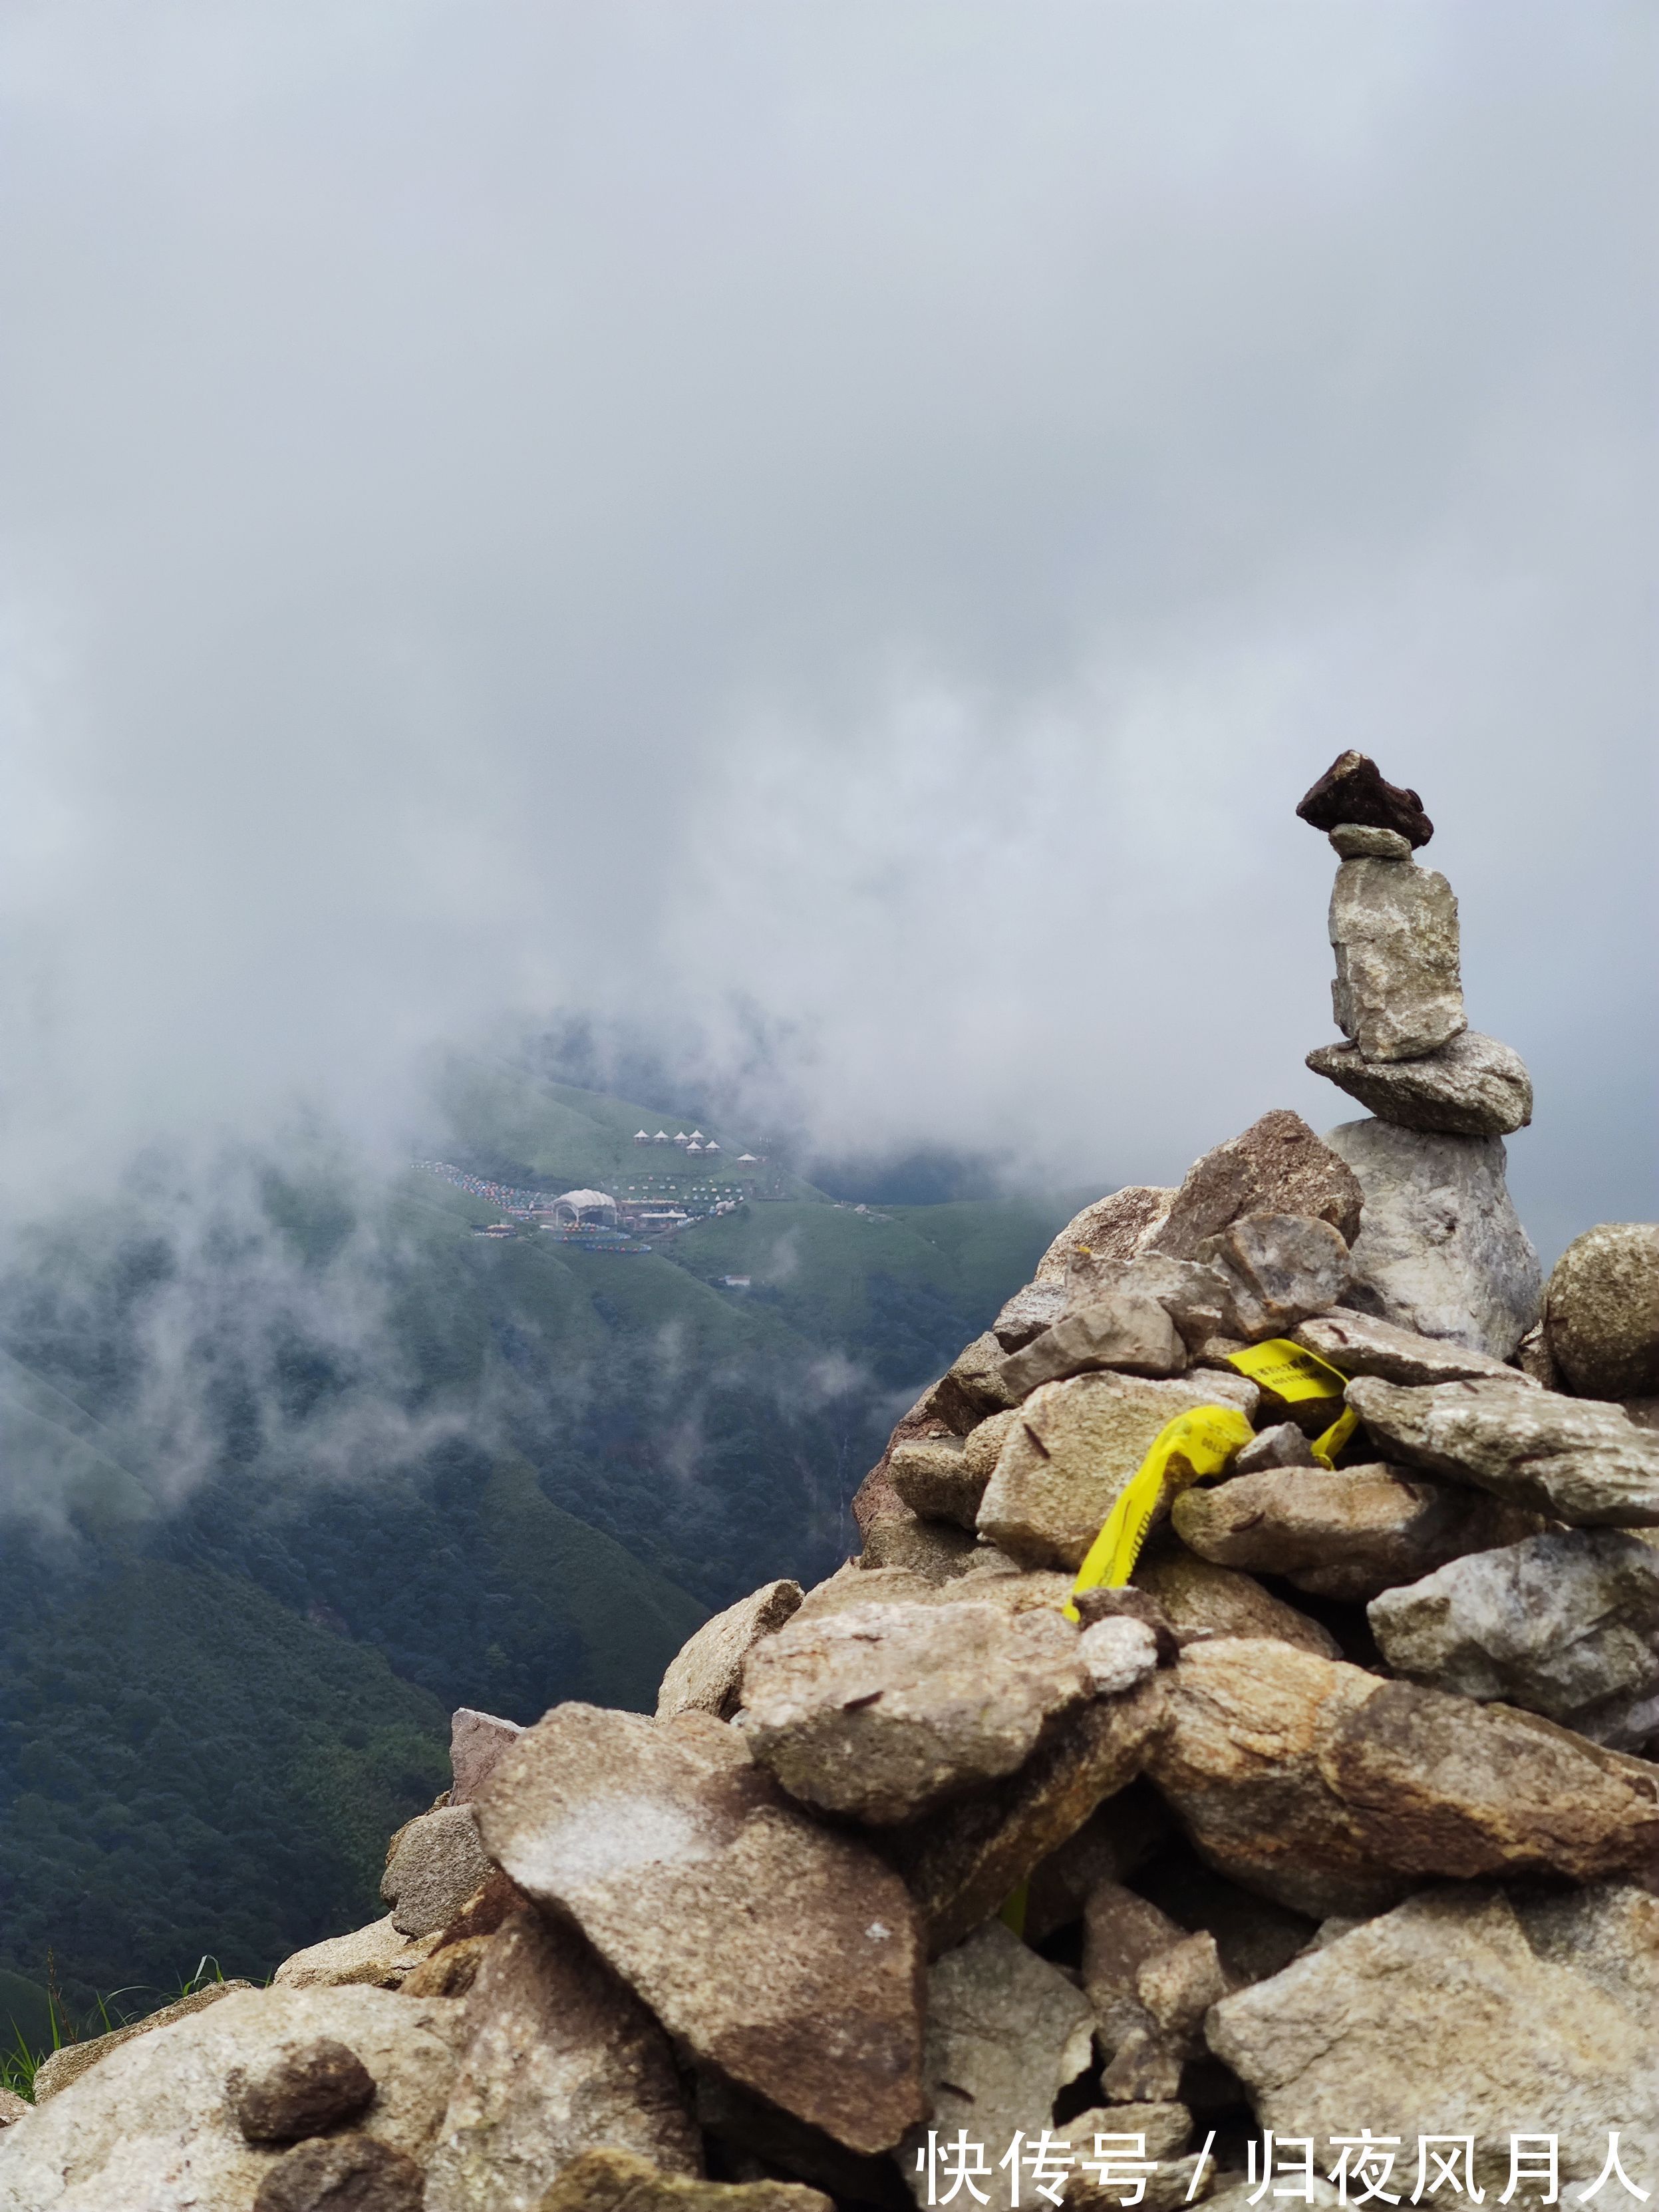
(835, 536)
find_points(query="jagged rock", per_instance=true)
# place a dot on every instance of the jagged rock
(1574, 1459)
(885, 1711)
(1166, 2127)
(1355, 841)
(352, 2172)
(477, 1741)
(1440, 1785)
(434, 1864)
(559, 2059)
(935, 1550)
(1352, 791)
(1346, 1535)
(933, 1478)
(1280, 1268)
(1113, 1228)
(1254, 1937)
(779, 1952)
(963, 1863)
(982, 1447)
(1162, 2130)
(1117, 1653)
(452, 1970)
(1282, 1445)
(706, 1676)
(1320, 1786)
(149, 2127)
(71, 2060)
(1028, 1313)
(875, 1499)
(1440, 1249)
(1472, 1086)
(1361, 1344)
(1240, 1764)
(1205, 1601)
(1005, 2033)
(1121, 1932)
(1076, 1444)
(989, 1580)
(968, 1389)
(1532, 1356)
(1603, 1311)
(1277, 1166)
(754, 2133)
(1119, 1330)
(1565, 1624)
(1454, 2014)
(13, 2108)
(379, 1956)
(617, 2181)
(299, 2089)
(1108, 1602)
(1399, 988)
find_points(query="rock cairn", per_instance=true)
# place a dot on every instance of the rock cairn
(1323, 1853)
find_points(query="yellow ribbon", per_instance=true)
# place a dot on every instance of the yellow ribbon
(1288, 1371)
(1194, 1444)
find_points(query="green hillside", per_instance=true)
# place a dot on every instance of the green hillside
(296, 1463)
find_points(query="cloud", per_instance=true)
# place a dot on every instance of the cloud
(848, 528)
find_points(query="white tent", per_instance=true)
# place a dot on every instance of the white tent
(585, 1208)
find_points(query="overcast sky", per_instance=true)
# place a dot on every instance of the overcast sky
(842, 523)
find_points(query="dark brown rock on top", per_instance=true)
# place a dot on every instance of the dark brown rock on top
(342, 2173)
(304, 2088)
(1352, 789)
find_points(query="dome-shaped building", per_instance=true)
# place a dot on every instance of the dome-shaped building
(585, 1209)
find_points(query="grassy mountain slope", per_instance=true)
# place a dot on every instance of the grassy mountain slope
(393, 1467)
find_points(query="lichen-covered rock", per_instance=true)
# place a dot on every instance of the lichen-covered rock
(1277, 1166)
(1472, 1086)
(150, 2127)
(1346, 1535)
(1565, 1624)
(934, 1477)
(1440, 1249)
(379, 1956)
(963, 1863)
(885, 1711)
(1603, 1311)
(477, 1741)
(1117, 1227)
(1455, 2014)
(1005, 2033)
(1399, 987)
(618, 2181)
(1118, 1330)
(1362, 1343)
(1280, 1268)
(436, 1863)
(1028, 1313)
(706, 1675)
(1204, 1600)
(780, 1951)
(1322, 1786)
(558, 2058)
(1574, 1459)
(1117, 1653)
(1075, 1446)
(71, 2060)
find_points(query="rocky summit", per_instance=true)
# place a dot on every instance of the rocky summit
(1229, 1770)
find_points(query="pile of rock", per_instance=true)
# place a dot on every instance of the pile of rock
(1332, 1829)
